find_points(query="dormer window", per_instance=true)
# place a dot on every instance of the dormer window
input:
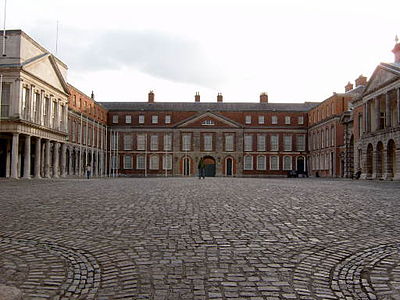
(208, 122)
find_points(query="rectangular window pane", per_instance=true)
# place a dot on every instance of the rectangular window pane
(274, 143)
(127, 142)
(167, 119)
(208, 142)
(140, 162)
(186, 141)
(274, 120)
(248, 119)
(154, 142)
(300, 120)
(260, 119)
(287, 120)
(260, 142)
(141, 142)
(5, 100)
(229, 142)
(248, 143)
(287, 143)
(154, 162)
(248, 162)
(127, 162)
(301, 143)
(154, 119)
(128, 119)
(261, 162)
(274, 162)
(167, 162)
(115, 119)
(141, 119)
(287, 163)
(168, 142)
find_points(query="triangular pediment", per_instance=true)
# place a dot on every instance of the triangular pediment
(381, 77)
(45, 68)
(208, 120)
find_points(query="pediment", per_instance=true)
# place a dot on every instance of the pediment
(380, 78)
(208, 120)
(45, 68)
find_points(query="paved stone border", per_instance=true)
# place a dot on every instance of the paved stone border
(74, 274)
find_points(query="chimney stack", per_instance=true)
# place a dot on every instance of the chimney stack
(349, 86)
(396, 51)
(361, 80)
(263, 98)
(197, 97)
(151, 97)
(219, 97)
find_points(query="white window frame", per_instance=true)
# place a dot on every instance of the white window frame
(127, 162)
(167, 119)
(154, 142)
(287, 120)
(168, 142)
(274, 144)
(248, 119)
(272, 157)
(261, 119)
(261, 165)
(140, 162)
(186, 142)
(300, 120)
(154, 162)
(248, 162)
(141, 142)
(248, 142)
(154, 119)
(229, 142)
(167, 162)
(274, 120)
(141, 119)
(261, 142)
(128, 141)
(287, 159)
(128, 119)
(208, 142)
(115, 119)
(301, 142)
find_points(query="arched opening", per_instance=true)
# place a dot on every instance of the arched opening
(67, 162)
(368, 160)
(300, 164)
(186, 166)
(379, 160)
(391, 159)
(210, 166)
(229, 166)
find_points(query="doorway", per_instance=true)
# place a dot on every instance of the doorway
(229, 166)
(300, 165)
(210, 166)
(186, 166)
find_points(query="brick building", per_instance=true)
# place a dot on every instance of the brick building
(235, 139)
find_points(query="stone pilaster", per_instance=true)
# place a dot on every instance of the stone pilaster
(56, 162)
(48, 160)
(14, 155)
(388, 105)
(38, 156)
(27, 157)
(70, 162)
(377, 114)
(397, 166)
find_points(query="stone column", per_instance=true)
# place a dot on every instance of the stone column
(56, 153)
(38, 154)
(398, 105)
(70, 165)
(377, 113)
(385, 170)
(48, 161)
(14, 155)
(8, 158)
(27, 157)
(397, 166)
(388, 104)
(63, 159)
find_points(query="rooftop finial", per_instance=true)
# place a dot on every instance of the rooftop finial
(396, 39)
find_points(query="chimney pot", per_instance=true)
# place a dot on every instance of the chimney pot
(219, 97)
(197, 97)
(349, 86)
(92, 95)
(151, 97)
(361, 80)
(263, 98)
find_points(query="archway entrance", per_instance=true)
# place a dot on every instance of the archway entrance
(229, 166)
(368, 161)
(391, 159)
(300, 165)
(209, 161)
(186, 166)
(379, 160)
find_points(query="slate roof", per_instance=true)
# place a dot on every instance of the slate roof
(207, 106)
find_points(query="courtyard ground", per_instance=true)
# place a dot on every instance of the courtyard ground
(184, 238)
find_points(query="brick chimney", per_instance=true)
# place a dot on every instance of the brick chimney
(361, 80)
(349, 86)
(197, 97)
(396, 51)
(263, 98)
(151, 97)
(219, 97)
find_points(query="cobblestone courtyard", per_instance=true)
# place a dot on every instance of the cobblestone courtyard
(184, 238)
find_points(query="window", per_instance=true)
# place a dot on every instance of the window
(261, 120)
(322, 138)
(274, 120)
(287, 143)
(287, 163)
(360, 124)
(114, 140)
(154, 142)
(208, 142)
(167, 142)
(127, 142)
(229, 142)
(115, 119)
(154, 162)
(141, 119)
(186, 141)
(5, 100)
(167, 119)
(248, 162)
(74, 100)
(207, 122)
(301, 142)
(333, 136)
(287, 120)
(261, 162)
(248, 142)
(274, 162)
(300, 120)
(248, 120)
(154, 119)
(327, 137)
(140, 162)
(36, 108)
(167, 162)
(274, 143)
(128, 119)
(141, 142)
(25, 102)
(127, 162)
(260, 142)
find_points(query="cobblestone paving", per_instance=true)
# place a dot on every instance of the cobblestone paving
(184, 238)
